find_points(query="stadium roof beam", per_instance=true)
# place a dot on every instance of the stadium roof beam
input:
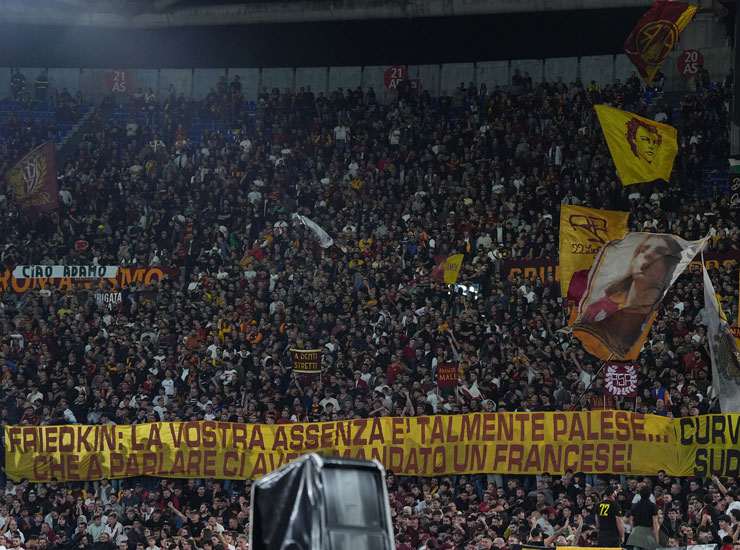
(285, 11)
(162, 5)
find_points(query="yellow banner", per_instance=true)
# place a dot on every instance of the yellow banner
(583, 231)
(508, 443)
(452, 268)
(643, 150)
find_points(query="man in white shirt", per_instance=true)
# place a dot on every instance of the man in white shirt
(329, 401)
(168, 384)
(113, 527)
(66, 197)
(341, 134)
(14, 532)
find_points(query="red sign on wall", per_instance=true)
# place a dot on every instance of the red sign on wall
(689, 63)
(394, 75)
(119, 82)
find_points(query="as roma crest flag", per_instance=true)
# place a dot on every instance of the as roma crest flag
(583, 231)
(643, 150)
(33, 180)
(656, 34)
(625, 287)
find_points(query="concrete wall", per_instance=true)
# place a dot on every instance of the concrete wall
(179, 80)
(492, 74)
(561, 68)
(454, 74)
(316, 78)
(344, 77)
(704, 34)
(281, 78)
(598, 68)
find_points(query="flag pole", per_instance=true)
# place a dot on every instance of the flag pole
(735, 109)
(595, 376)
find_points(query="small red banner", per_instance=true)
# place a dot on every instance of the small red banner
(447, 375)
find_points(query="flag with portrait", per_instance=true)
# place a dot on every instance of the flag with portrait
(656, 34)
(722, 350)
(625, 286)
(643, 150)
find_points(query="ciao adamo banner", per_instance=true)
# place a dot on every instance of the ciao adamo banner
(65, 271)
(617, 442)
(29, 278)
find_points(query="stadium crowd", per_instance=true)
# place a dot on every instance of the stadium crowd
(397, 186)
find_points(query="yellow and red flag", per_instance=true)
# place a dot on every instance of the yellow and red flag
(643, 150)
(447, 269)
(33, 180)
(656, 34)
(583, 231)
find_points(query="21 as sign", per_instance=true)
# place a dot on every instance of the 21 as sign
(394, 75)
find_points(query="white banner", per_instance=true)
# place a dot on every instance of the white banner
(723, 351)
(65, 271)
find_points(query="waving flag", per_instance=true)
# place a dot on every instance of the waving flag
(656, 34)
(323, 237)
(723, 351)
(33, 180)
(447, 269)
(583, 231)
(626, 285)
(643, 150)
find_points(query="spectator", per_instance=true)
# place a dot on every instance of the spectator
(645, 521)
